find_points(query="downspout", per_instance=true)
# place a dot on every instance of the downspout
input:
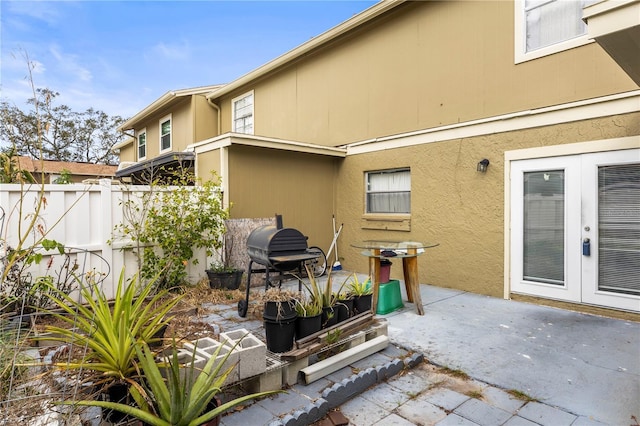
(223, 160)
(217, 108)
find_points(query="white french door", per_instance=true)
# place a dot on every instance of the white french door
(575, 228)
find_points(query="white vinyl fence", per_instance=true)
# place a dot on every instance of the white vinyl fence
(82, 217)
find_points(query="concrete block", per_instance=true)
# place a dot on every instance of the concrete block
(270, 380)
(252, 352)
(379, 328)
(190, 363)
(206, 347)
(290, 371)
(357, 339)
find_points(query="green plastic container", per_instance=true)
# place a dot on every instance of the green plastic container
(389, 297)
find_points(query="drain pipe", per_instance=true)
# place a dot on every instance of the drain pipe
(217, 108)
(322, 368)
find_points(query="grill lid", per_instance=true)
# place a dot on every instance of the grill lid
(268, 244)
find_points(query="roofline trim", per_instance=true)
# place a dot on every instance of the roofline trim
(229, 139)
(163, 101)
(329, 35)
(620, 103)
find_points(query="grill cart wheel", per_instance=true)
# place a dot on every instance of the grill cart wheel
(318, 265)
(242, 308)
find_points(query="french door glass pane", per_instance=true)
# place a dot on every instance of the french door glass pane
(619, 228)
(544, 227)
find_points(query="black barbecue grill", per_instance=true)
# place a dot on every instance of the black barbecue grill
(282, 251)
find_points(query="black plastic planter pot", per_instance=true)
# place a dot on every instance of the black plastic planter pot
(280, 334)
(362, 304)
(281, 310)
(343, 309)
(117, 392)
(225, 280)
(308, 325)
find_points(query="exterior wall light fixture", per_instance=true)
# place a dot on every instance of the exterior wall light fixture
(482, 165)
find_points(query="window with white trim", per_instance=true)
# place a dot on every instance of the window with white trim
(242, 114)
(544, 27)
(388, 191)
(165, 133)
(142, 144)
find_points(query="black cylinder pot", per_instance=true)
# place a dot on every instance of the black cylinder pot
(343, 309)
(280, 334)
(306, 326)
(362, 303)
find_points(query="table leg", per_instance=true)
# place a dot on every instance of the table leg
(411, 282)
(374, 273)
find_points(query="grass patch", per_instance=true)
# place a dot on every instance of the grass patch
(521, 395)
(454, 373)
(474, 394)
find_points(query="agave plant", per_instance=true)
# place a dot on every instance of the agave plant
(324, 294)
(111, 330)
(183, 399)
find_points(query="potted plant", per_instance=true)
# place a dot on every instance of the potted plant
(111, 330)
(324, 295)
(279, 317)
(221, 273)
(309, 317)
(362, 294)
(185, 398)
(344, 306)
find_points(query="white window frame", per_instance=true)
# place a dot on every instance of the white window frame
(367, 174)
(250, 114)
(164, 119)
(520, 41)
(146, 143)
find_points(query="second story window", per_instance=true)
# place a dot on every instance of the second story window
(544, 27)
(165, 134)
(142, 144)
(242, 114)
(388, 191)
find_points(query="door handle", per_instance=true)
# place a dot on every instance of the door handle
(586, 247)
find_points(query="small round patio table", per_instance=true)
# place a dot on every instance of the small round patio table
(408, 251)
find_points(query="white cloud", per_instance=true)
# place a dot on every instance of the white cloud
(173, 51)
(69, 63)
(41, 10)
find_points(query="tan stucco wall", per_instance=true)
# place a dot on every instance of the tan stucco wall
(205, 119)
(128, 152)
(454, 205)
(207, 162)
(429, 64)
(263, 182)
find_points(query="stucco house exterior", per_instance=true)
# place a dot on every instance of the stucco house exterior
(384, 121)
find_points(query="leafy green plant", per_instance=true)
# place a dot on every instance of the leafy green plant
(358, 288)
(183, 399)
(322, 294)
(112, 333)
(308, 307)
(64, 178)
(171, 222)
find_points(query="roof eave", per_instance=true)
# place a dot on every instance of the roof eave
(162, 102)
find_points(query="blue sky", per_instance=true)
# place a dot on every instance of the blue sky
(119, 56)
